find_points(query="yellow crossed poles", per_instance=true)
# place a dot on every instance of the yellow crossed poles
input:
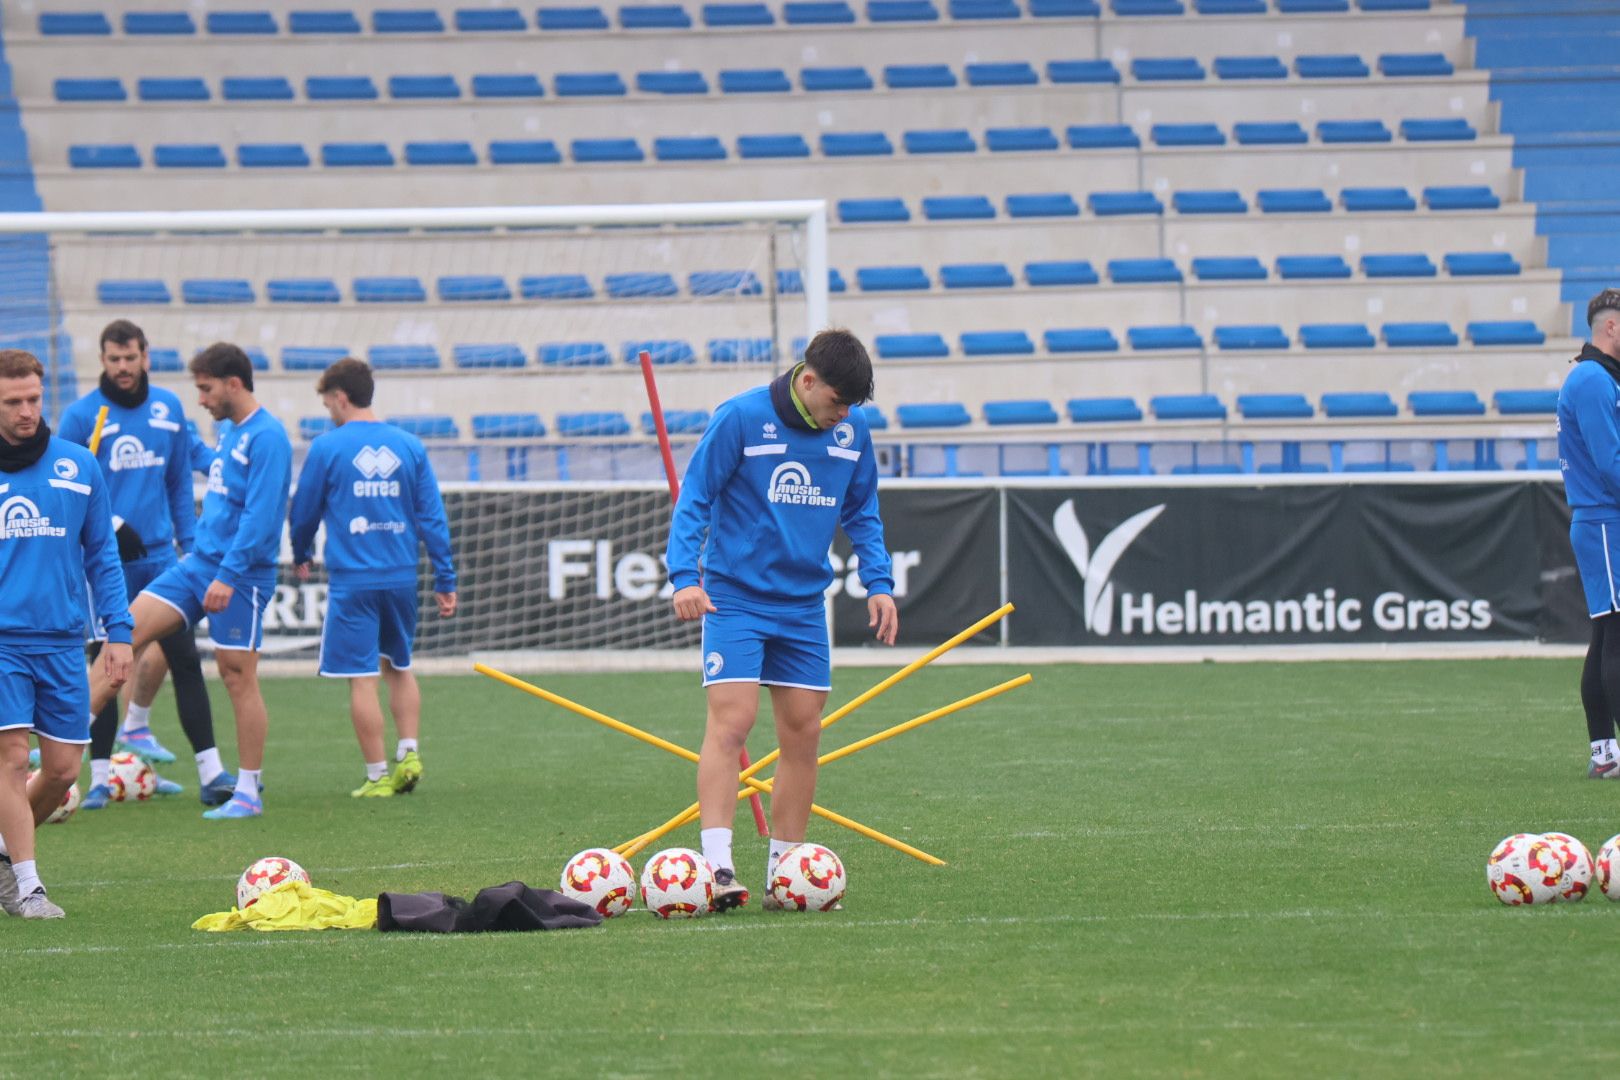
(631, 847)
(683, 752)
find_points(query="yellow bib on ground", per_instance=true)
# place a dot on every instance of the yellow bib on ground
(296, 906)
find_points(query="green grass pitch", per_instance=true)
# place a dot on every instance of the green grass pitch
(1205, 870)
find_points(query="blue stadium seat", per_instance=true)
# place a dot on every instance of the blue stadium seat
(1104, 410)
(583, 425)
(1333, 66)
(1082, 71)
(1294, 201)
(241, 22)
(311, 427)
(1250, 67)
(1166, 69)
(302, 291)
(574, 354)
(653, 17)
(1445, 403)
(1143, 8)
(555, 287)
(661, 350)
(998, 413)
(461, 288)
(1393, 5)
(1283, 133)
(891, 278)
(490, 20)
(856, 144)
(427, 425)
(865, 210)
(996, 343)
(819, 79)
(1398, 65)
(874, 417)
(602, 150)
(1480, 263)
(216, 291)
(311, 358)
(958, 208)
(677, 422)
(772, 146)
(1230, 268)
(389, 289)
(171, 89)
(1511, 332)
(1064, 9)
(887, 11)
(1080, 339)
(943, 414)
(724, 283)
(1188, 135)
(507, 86)
(347, 154)
(1311, 7)
(1312, 266)
(1336, 336)
(68, 23)
(323, 22)
(450, 152)
(1274, 407)
(919, 77)
(755, 81)
(487, 356)
(1467, 197)
(984, 9)
(1526, 402)
(737, 15)
(1230, 7)
(1118, 203)
(1371, 199)
(1209, 202)
(689, 148)
(524, 152)
(1142, 271)
(104, 156)
(910, 346)
(340, 88)
(671, 82)
(1101, 137)
(817, 12)
(976, 276)
(791, 281)
(945, 141)
(407, 21)
(159, 23)
(1417, 335)
(1353, 131)
(89, 90)
(1053, 204)
(1164, 337)
(1451, 128)
(1403, 265)
(1342, 406)
(255, 88)
(1187, 407)
(1060, 272)
(640, 284)
(589, 84)
(134, 291)
(403, 357)
(1014, 139)
(165, 361)
(188, 156)
(408, 87)
(1010, 73)
(521, 425)
(575, 18)
(741, 350)
(1258, 336)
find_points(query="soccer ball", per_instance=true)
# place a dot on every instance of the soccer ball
(677, 883)
(1578, 866)
(1525, 869)
(601, 878)
(70, 803)
(1608, 868)
(130, 778)
(808, 877)
(266, 874)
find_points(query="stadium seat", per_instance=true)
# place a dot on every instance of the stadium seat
(856, 144)
(575, 18)
(1371, 199)
(1480, 263)
(140, 291)
(302, 291)
(574, 354)
(524, 152)
(1413, 335)
(407, 21)
(1404, 265)
(1055, 204)
(791, 281)
(1312, 266)
(1239, 268)
(355, 154)
(340, 88)
(1293, 201)
(863, 210)
(677, 422)
(910, 346)
(772, 146)
(835, 78)
(409, 87)
(427, 425)
(1445, 403)
(1336, 336)
(1104, 410)
(172, 89)
(555, 287)
(487, 356)
(1188, 135)
(159, 23)
(943, 414)
(395, 289)
(1081, 71)
(216, 291)
(996, 343)
(1244, 338)
(1250, 67)
(1164, 337)
(998, 413)
(1013, 73)
(1143, 8)
(661, 350)
(919, 77)
(1060, 272)
(323, 22)
(1342, 406)
(671, 82)
(589, 84)
(889, 11)
(724, 283)
(946, 141)
(311, 427)
(1460, 198)
(1209, 202)
(1402, 65)
(958, 208)
(1142, 271)
(1512, 332)
(403, 357)
(874, 417)
(1444, 130)
(817, 12)
(1526, 402)
(1334, 66)
(89, 90)
(165, 361)
(737, 15)
(450, 152)
(241, 22)
(521, 425)
(311, 358)
(1187, 407)
(1119, 203)
(583, 425)
(976, 276)
(272, 156)
(255, 88)
(1080, 339)
(741, 350)
(188, 156)
(984, 9)
(1017, 139)
(891, 278)
(1101, 137)
(1165, 69)
(1311, 7)
(652, 17)
(1274, 407)
(755, 81)
(104, 156)
(605, 150)
(1284, 133)
(458, 288)
(639, 284)
(689, 148)
(1064, 9)
(490, 20)
(1353, 131)
(1230, 7)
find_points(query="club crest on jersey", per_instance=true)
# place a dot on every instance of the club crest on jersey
(844, 434)
(128, 452)
(791, 486)
(376, 464)
(20, 519)
(66, 468)
(160, 411)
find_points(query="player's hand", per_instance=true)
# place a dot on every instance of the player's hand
(447, 604)
(884, 616)
(301, 571)
(691, 603)
(120, 659)
(218, 597)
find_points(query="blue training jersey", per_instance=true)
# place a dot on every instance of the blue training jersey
(56, 531)
(1589, 442)
(144, 454)
(373, 486)
(770, 496)
(246, 500)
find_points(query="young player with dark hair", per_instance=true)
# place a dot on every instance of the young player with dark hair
(144, 453)
(55, 530)
(778, 470)
(231, 573)
(373, 486)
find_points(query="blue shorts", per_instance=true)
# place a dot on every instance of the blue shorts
(363, 624)
(239, 626)
(45, 692)
(1597, 557)
(137, 576)
(780, 647)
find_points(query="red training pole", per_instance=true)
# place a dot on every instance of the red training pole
(674, 495)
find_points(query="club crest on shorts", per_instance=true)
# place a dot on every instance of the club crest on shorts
(844, 434)
(713, 664)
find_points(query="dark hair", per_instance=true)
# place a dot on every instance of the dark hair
(122, 332)
(351, 376)
(839, 359)
(221, 360)
(17, 364)
(1607, 300)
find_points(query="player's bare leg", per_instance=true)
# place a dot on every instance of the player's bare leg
(732, 710)
(239, 670)
(153, 619)
(366, 713)
(405, 703)
(20, 890)
(798, 733)
(58, 769)
(151, 668)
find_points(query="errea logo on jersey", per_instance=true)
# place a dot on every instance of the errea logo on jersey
(128, 452)
(20, 519)
(791, 486)
(376, 464)
(769, 430)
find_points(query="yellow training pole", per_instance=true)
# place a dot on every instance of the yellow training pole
(95, 434)
(631, 847)
(683, 752)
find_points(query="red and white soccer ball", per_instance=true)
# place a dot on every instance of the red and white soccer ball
(1579, 868)
(677, 883)
(70, 802)
(601, 878)
(808, 877)
(1608, 868)
(130, 778)
(268, 873)
(1525, 868)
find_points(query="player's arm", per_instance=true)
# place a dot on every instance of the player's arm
(259, 527)
(75, 427)
(434, 528)
(864, 526)
(1599, 421)
(308, 504)
(199, 453)
(105, 574)
(716, 458)
(177, 487)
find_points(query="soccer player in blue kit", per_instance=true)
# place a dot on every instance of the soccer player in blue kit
(145, 455)
(373, 486)
(55, 532)
(778, 470)
(230, 575)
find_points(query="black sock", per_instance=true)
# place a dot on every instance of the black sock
(104, 727)
(190, 689)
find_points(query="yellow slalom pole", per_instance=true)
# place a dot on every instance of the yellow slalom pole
(95, 434)
(631, 847)
(683, 752)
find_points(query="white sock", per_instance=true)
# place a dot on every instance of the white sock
(209, 765)
(777, 847)
(406, 746)
(3, 850)
(99, 768)
(1611, 749)
(376, 770)
(247, 783)
(717, 848)
(139, 716)
(27, 877)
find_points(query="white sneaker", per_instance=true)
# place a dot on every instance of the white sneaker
(9, 899)
(1603, 770)
(36, 905)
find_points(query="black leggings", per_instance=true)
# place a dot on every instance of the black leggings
(1600, 678)
(190, 697)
